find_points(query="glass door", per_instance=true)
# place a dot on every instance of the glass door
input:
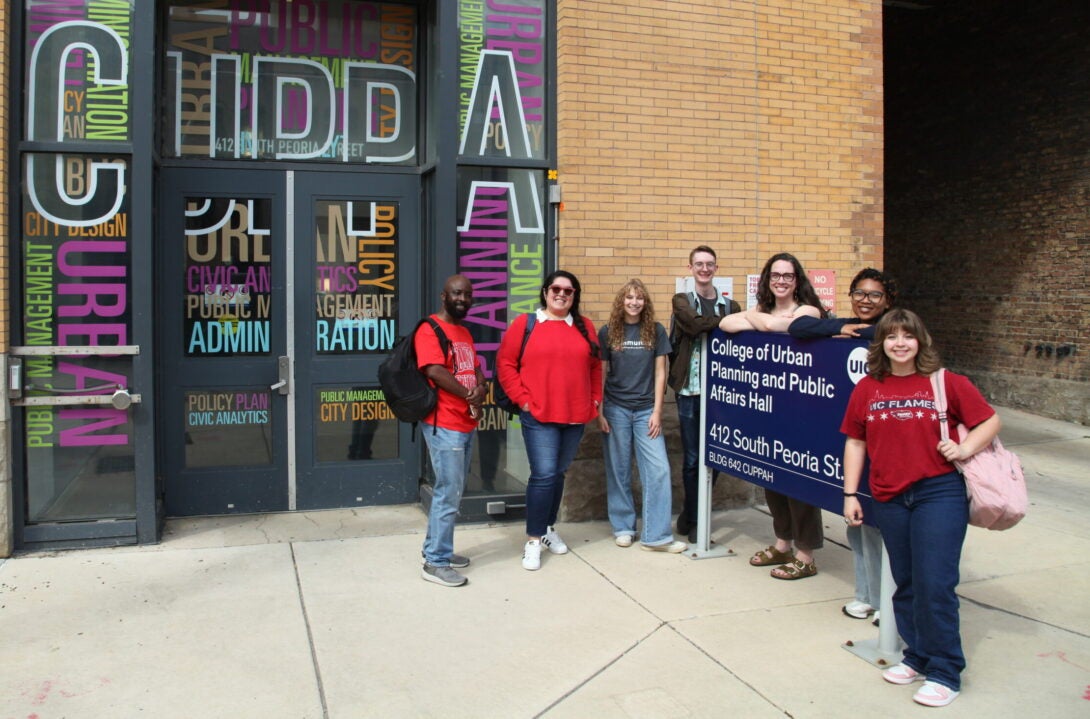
(223, 362)
(279, 294)
(357, 273)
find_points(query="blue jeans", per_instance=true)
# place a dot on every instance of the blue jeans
(550, 447)
(923, 529)
(450, 453)
(688, 418)
(866, 544)
(628, 429)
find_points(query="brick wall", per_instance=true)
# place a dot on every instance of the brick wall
(988, 204)
(754, 127)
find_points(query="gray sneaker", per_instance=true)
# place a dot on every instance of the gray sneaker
(442, 575)
(456, 560)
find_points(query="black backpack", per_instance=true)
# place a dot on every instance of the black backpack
(408, 392)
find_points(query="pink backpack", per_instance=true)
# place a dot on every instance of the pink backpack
(993, 476)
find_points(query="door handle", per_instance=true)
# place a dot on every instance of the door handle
(283, 377)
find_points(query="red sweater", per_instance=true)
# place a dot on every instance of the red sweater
(560, 378)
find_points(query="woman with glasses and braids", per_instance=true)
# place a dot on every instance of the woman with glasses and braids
(557, 385)
(784, 294)
(872, 293)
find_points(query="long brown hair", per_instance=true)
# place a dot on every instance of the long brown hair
(804, 291)
(927, 357)
(616, 317)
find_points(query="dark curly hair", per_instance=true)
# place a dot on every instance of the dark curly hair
(804, 291)
(888, 283)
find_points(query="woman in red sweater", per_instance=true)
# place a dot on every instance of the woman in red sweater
(558, 386)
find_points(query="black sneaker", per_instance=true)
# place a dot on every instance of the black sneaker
(442, 575)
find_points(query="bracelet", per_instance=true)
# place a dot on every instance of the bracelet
(849, 494)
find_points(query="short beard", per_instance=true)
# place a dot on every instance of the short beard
(458, 313)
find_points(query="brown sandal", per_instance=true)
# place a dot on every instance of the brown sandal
(769, 556)
(795, 569)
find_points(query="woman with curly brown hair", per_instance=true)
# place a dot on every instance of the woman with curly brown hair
(784, 294)
(634, 348)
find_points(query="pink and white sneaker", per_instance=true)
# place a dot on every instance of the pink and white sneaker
(902, 674)
(933, 694)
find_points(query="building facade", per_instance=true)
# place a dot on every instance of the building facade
(221, 215)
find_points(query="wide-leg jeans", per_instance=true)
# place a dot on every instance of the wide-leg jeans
(866, 544)
(923, 529)
(628, 431)
(550, 448)
(451, 452)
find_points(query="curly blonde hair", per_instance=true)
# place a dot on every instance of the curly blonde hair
(616, 317)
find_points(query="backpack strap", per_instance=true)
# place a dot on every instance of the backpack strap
(444, 346)
(444, 343)
(938, 388)
(531, 318)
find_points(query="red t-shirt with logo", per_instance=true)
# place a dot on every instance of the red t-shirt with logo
(897, 419)
(452, 411)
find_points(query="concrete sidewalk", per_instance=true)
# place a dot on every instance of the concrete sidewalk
(324, 614)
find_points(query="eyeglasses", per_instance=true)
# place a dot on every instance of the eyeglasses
(785, 276)
(704, 265)
(563, 291)
(860, 295)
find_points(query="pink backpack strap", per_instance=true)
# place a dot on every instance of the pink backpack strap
(938, 388)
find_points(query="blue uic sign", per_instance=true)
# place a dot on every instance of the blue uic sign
(774, 407)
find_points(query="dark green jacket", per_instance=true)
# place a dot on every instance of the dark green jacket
(686, 326)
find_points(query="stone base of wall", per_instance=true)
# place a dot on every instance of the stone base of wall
(585, 484)
(1056, 398)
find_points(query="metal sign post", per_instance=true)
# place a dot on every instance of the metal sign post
(704, 547)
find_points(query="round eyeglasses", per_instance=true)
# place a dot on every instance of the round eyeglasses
(860, 295)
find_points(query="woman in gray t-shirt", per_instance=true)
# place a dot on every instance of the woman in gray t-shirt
(634, 349)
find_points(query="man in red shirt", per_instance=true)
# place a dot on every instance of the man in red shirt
(448, 431)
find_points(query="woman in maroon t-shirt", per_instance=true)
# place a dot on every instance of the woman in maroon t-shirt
(920, 501)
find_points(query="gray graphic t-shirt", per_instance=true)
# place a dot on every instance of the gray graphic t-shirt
(630, 382)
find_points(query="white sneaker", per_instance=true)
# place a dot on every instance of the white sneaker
(531, 555)
(933, 694)
(857, 609)
(623, 540)
(674, 547)
(553, 541)
(902, 674)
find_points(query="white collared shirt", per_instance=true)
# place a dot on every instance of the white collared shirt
(543, 316)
